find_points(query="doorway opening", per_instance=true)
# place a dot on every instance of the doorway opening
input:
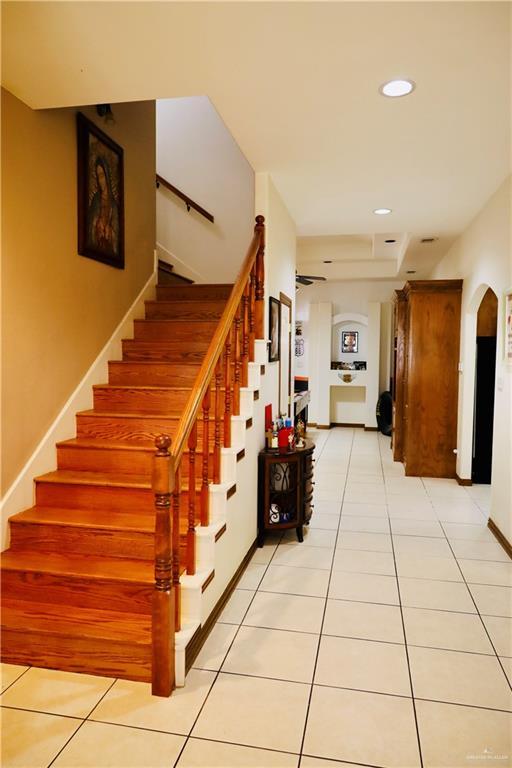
(485, 373)
(285, 359)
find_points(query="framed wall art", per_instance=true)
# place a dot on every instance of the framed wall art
(274, 324)
(349, 341)
(100, 195)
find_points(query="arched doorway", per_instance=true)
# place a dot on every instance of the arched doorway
(485, 372)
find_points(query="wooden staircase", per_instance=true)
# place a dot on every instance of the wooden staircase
(91, 580)
(78, 576)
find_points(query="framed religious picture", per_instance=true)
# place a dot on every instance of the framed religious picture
(274, 324)
(100, 195)
(350, 341)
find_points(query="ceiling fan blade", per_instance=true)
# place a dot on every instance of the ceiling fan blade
(303, 281)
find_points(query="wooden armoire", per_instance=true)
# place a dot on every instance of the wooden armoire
(425, 379)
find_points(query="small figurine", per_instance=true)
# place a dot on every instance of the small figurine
(300, 430)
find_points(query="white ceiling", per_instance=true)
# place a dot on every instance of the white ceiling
(297, 85)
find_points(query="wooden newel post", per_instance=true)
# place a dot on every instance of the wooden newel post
(162, 675)
(259, 303)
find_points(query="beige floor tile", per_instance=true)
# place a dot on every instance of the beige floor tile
(100, 745)
(368, 621)
(423, 546)
(295, 581)
(453, 736)
(327, 507)
(359, 727)
(439, 595)
(359, 561)
(312, 538)
(459, 678)
(370, 542)
(506, 663)
(483, 572)
(480, 550)
(406, 509)
(361, 524)
(324, 521)
(59, 693)
(500, 630)
(303, 557)
(448, 512)
(422, 567)
(430, 528)
(201, 753)
(364, 510)
(365, 587)
(492, 601)
(237, 605)
(129, 703)
(331, 495)
(9, 673)
(319, 762)
(468, 532)
(263, 555)
(273, 653)
(273, 712)
(252, 576)
(364, 665)
(292, 612)
(365, 495)
(214, 651)
(32, 739)
(442, 629)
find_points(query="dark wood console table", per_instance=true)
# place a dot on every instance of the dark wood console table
(285, 490)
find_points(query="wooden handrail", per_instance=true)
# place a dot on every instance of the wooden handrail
(217, 343)
(232, 344)
(186, 199)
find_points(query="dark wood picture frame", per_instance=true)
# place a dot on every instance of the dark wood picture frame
(348, 346)
(274, 330)
(100, 176)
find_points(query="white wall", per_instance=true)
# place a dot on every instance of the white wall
(482, 258)
(280, 261)
(197, 154)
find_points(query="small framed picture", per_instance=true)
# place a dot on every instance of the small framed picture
(508, 327)
(100, 195)
(274, 324)
(350, 341)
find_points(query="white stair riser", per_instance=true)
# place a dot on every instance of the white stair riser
(228, 465)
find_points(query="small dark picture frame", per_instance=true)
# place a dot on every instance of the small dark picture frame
(100, 195)
(274, 326)
(350, 341)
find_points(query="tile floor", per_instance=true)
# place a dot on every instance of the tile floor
(385, 639)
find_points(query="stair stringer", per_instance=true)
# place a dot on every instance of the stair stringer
(238, 514)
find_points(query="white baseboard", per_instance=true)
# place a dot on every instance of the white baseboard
(182, 269)
(20, 495)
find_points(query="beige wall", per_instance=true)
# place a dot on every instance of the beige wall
(59, 308)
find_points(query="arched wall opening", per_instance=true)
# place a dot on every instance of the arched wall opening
(485, 379)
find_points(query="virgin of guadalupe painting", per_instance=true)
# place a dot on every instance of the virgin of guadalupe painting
(100, 195)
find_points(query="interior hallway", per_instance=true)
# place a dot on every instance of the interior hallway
(385, 639)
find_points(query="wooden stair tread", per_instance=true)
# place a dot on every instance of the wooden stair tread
(84, 442)
(49, 618)
(89, 566)
(128, 415)
(87, 518)
(76, 477)
(143, 387)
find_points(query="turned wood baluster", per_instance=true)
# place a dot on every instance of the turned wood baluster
(176, 546)
(218, 419)
(227, 385)
(191, 532)
(245, 336)
(205, 487)
(162, 672)
(238, 363)
(252, 319)
(259, 294)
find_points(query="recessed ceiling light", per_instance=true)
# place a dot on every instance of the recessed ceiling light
(382, 211)
(428, 239)
(396, 88)
(390, 241)
(411, 271)
(327, 262)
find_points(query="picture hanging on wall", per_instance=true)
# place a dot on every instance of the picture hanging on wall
(508, 327)
(100, 195)
(274, 324)
(299, 339)
(349, 341)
